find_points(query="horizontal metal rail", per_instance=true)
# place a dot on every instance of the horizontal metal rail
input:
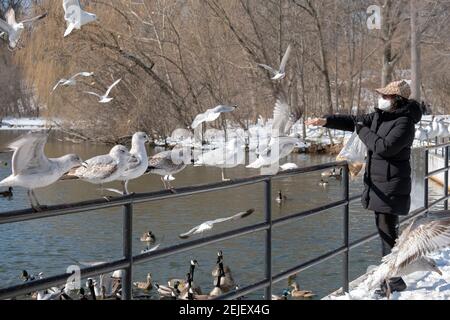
(129, 260)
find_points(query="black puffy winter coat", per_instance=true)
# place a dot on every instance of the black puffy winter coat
(389, 137)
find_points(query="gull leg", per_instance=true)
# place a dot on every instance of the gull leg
(164, 183)
(124, 187)
(30, 199)
(37, 207)
(223, 176)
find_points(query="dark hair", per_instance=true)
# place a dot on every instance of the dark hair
(400, 102)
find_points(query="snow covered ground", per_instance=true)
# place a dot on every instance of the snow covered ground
(421, 285)
(22, 123)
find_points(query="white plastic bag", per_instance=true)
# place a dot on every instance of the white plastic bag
(354, 152)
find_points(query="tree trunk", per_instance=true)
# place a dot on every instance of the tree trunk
(415, 53)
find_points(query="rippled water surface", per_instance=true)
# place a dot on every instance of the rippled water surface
(50, 245)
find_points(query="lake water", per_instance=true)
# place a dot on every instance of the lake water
(48, 245)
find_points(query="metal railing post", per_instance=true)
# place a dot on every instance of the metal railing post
(346, 197)
(268, 219)
(446, 178)
(425, 185)
(128, 251)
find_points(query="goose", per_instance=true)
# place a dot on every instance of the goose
(147, 286)
(31, 169)
(183, 284)
(148, 237)
(209, 225)
(7, 194)
(193, 296)
(168, 291)
(91, 287)
(217, 291)
(281, 73)
(280, 198)
(75, 16)
(227, 282)
(212, 114)
(423, 236)
(15, 29)
(332, 173)
(284, 296)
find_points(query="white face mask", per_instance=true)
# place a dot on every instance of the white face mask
(384, 104)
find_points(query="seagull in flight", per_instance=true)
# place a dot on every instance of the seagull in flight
(423, 236)
(212, 114)
(31, 169)
(105, 98)
(209, 225)
(72, 81)
(281, 73)
(13, 28)
(75, 16)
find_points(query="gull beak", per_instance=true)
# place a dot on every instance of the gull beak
(437, 270)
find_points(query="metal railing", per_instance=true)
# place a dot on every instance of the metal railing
(127, 262)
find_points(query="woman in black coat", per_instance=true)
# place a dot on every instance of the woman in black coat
(388, 134)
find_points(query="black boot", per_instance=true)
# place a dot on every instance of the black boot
(395, 285)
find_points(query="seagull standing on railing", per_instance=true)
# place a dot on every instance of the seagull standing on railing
(75, 16)
(166, 164)
(105, 168)
(31, 169)
(104, 98)
(421, 237)
(72, 81)
(138, 168)
(13, 28)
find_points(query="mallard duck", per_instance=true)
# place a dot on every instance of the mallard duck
(284, 296)
(147, 286)
(296, 292)
(148, 237)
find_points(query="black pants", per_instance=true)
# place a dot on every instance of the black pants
(387, 225)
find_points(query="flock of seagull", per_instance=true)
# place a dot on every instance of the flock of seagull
(31, 170)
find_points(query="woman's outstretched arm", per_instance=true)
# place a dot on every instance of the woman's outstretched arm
(347, 122)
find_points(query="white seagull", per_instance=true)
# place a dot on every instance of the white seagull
(75, 16)
(423, 236)
(105, 98)
(31, 169)
(72, 81)
(138, 168)
(229, 155)
(105, 168)
(281, 144)
(166, 164)
(212, 114)
(209, 225)
(281, 73)
(13, 28)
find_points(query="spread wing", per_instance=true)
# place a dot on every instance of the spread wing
(111, 87)
(5, 27)
(59, 82)
(10, 17)
(270, 69)
(198, 120)
(94, 94)
(29, 152)
(237, 216)
(189, 233)
(281, 115)
(83, 74)
(420, 239)
(70, 3)
(39, 17)
(285, 59)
